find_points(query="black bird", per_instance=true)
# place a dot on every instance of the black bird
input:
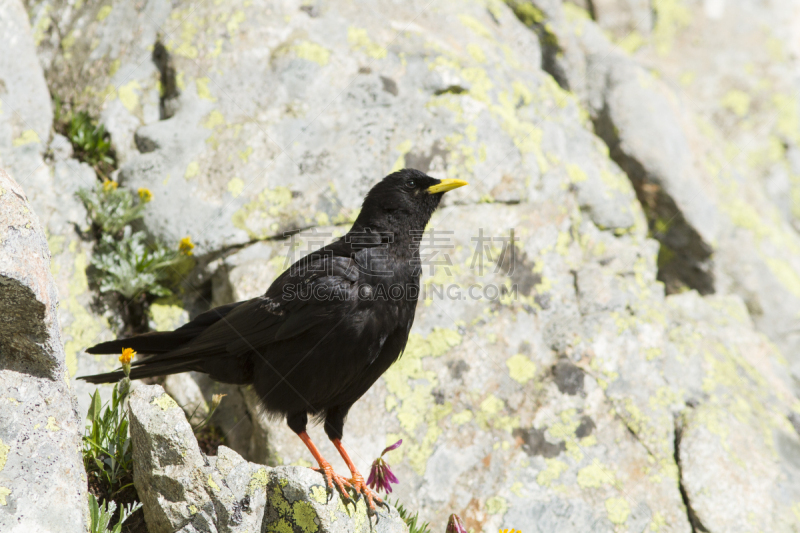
(324, 331)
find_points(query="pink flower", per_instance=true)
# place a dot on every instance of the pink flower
(454, 525)
(380, 475)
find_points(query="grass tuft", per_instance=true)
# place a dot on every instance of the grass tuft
(107, 454)
(411, 521)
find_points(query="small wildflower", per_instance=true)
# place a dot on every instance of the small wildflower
(186, 246)
(125, 359)
(380, 475)
(127, 356)
(109, 186)
(455, 525)
(145, 195)
(216, 399)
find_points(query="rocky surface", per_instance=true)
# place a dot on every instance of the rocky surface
(645, 152)
(42, 164)
(42, 481)
(184, 490)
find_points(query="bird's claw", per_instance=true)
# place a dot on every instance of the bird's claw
(333, 479)
(357, 482)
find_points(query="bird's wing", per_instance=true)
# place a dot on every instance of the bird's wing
(319, 290)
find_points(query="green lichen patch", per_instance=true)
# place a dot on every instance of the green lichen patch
(165, 402)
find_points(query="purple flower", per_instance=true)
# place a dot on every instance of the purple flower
(380, 475)
(454, 525)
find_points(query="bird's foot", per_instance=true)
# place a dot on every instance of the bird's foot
(357, 482)
(333, 479)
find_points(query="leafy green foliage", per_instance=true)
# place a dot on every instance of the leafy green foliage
(411, 521)
(131, 266)
(90, 141)
(124, 261)
(110, 208)
(107, 454)
(100, 515)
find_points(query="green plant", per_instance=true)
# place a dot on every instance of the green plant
(90, 141)
(411, 521)
(107, 454)
(110, 208)
(100, 515)
(131, 266)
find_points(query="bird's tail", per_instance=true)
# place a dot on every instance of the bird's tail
(160, 346)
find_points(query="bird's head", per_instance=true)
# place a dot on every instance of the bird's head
(404, 199)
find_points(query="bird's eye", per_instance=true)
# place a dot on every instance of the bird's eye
(410, 184)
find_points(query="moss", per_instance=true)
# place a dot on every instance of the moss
(737, 101)
(552, 472)
(359, 39)
(280, 526)
(595, 475)
(268, 204)
(658, 522)
(84, 328)
(129, 95)
(576, 173)
(671, 17)
(27, 137)
(235, 187)
(166, 314)
(496, 505)
(304, 516)
(473, 24)
(312, 52)
(258, 481)
(618, 510)
(192, 170)
(319, 494)
(462, 418)
(165, 402)
(51, 424)
(4, 449)
(527, 13)
(214, 119)
(521, 368)
(476, 52)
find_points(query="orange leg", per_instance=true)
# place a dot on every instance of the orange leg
(325, 467)
(357, 481)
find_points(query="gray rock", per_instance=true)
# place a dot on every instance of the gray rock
(298, 501)
(27, 114)
(184, 490)
(180, 488)
(26, 118)
(42, 481)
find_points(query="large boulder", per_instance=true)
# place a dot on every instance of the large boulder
(43, 164)
(42, 481)
(184, 490)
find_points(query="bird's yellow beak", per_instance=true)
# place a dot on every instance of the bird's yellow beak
(446, 185)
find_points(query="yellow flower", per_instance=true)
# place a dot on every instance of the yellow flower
(186, 246)
(109, 186)
(145, 195)
(127, 356)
